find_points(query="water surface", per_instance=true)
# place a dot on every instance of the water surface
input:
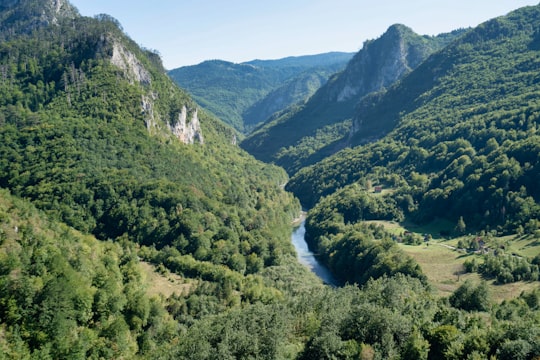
(307, 258)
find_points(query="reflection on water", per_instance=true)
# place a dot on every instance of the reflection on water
(307, 258)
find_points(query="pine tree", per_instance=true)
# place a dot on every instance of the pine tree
(460, 226)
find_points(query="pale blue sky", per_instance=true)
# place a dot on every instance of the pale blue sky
(187, 32)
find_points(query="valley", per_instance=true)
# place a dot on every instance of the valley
(308, 258)
(154, 214)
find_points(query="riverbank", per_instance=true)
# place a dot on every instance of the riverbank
(307, 257)
(300, 219)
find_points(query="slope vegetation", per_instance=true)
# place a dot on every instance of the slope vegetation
(105, 162)
(457, 141)
(246, 94)
(67, 295)
(305, 134)
(94, 133)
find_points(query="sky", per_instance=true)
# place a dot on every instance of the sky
(187, 32)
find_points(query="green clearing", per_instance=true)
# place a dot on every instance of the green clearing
(434, 228)
(527, 246)
(165, 283)
(443, 267)
(390, 226)
(443, 264)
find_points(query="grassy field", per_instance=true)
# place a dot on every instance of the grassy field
(434, 228)
(444, 268)
(164, 284)
(390, 226)
(525, 246)
(443, 263)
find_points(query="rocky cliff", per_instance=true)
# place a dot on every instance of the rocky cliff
(382, 62)
(128, 62)
(183, 125)
(319, 128)
(23, 16)
(186, 131)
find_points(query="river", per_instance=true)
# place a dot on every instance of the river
(307, 258)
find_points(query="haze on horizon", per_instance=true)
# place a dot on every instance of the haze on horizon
(187, 32)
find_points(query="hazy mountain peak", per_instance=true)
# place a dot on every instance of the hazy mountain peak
(399, 29)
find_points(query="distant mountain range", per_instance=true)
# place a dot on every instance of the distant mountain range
(307, 133)
(246, 94)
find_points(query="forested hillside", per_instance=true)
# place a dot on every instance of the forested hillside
(457, 144)
(65, 295)
(96, 135)
(464, 142)
(113, 182)
(306, 133)
(247, 94)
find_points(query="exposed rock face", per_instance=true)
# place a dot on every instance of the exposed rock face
(187, 132)
(24, 16)
(128, 62)
(327, 115)
(58, 8)
(147, 104)
(380, 63)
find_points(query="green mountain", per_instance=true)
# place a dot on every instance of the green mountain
(67, 295)
(307, 133)
(24, 17)
(95, 134)
(456, 137)
(237, 93)
(132, 228)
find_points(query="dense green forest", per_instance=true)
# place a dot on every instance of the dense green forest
(66, 295)
(101, 199)
(75, 142)
(356, 252)
(457, 144)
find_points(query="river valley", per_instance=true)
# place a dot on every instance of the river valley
(307, 257)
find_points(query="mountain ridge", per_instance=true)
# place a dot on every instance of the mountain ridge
(236, 92)
(470, 106)
(316, 129)
(96, 135)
